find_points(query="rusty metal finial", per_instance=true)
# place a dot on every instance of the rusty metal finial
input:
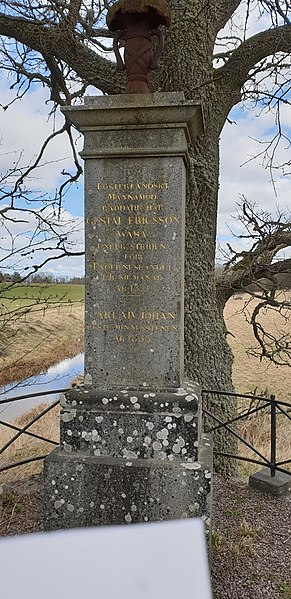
(137, 22)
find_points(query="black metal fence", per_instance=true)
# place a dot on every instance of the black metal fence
(256, 404)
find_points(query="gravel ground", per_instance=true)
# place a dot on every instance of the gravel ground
(251, 548)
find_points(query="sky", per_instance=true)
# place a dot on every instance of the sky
(24, 126)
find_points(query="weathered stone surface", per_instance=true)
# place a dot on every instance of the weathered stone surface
(277, 485)
(134, 272)
(136, 153)
(141, 111)
(131, 438)
(88, 491)
(132, 424)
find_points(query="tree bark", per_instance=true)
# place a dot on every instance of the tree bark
(208, 358)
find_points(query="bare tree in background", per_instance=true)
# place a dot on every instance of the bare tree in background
(63, 46)
(263, 273)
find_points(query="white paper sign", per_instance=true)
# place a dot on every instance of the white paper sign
(149, 561)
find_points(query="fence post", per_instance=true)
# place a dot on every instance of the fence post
(273, 435)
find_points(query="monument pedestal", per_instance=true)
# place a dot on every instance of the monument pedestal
(132, 447)
(129, 457)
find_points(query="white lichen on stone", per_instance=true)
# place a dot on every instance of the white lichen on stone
(157, 446)
(88, 379)
(67, 416)
(67, 448)
(191, 465)
(188, 417)
(150, 425)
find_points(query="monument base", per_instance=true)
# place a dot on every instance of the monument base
(129, 456)
(84, 490)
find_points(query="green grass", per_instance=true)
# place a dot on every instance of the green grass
(22, 295)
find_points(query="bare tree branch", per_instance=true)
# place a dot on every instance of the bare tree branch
(58, 42)
(243, 59)
(260, 274)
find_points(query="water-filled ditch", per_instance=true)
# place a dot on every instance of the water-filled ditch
(56, 377)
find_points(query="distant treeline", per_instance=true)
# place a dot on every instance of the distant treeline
(45, 278)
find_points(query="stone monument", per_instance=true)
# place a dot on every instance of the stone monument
(132, 447)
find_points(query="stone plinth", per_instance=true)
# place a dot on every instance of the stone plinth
(132, 447)
(129, 458)
(132, 424)
(88, 491)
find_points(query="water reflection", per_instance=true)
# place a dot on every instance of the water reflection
(56, 377)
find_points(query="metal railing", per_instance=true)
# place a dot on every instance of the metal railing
(270, 405)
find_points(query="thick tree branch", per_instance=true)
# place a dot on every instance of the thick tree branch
(240, 276)
(60, 43)
(236, 71)
(268, 236)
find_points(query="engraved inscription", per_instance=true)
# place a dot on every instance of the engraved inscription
(129, 236)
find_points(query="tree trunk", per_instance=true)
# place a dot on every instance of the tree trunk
(208, 358)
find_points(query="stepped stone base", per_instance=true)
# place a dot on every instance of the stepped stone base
(132, 423)
(129, 456)
(86, 490)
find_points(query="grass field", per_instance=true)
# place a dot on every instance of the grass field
(13, 297)
(46, 320)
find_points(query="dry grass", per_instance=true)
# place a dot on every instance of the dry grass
(249, 373)
(260, 377)
(26, 446)
(48, 336)
(256, 430)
